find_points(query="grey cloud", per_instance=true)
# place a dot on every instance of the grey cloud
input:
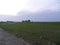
(41, 16)
(8, 18)
(46, 15)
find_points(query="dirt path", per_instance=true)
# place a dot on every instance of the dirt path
(9, 39)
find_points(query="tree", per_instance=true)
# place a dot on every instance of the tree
(26, 21)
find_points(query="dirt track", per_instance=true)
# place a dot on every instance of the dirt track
(9, 39)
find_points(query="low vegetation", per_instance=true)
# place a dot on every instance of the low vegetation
(35, 32)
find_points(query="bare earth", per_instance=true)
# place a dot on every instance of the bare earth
(9, 39)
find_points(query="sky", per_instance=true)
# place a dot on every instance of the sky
(35, 10)
(12, 7)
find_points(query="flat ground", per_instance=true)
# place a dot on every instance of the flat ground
(34, 32)
(9, 39)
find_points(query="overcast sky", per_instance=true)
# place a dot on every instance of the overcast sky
(35, 10)
(12, 7)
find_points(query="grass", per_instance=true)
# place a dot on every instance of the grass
(35, 31)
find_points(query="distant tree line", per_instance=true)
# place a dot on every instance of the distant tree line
(26, 21)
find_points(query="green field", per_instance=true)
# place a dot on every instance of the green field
(35, 31)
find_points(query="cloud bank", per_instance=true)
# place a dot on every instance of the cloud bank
(46, 15)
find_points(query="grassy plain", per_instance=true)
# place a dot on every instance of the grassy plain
(35, 31)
